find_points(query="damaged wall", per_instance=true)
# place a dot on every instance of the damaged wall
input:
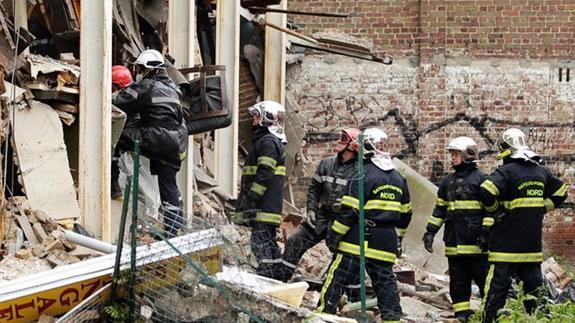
(468, 68)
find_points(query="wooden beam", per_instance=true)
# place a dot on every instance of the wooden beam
(297, 12)
(181, 43)
(274, 67)
(228, 54)
(95, 117)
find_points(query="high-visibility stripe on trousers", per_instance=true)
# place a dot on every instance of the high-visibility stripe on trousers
(265, 248)
(499, 280)
(344, 270)
(462, 271)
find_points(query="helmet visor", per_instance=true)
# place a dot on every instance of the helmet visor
(344, 139)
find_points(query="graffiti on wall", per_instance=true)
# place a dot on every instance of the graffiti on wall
(337, 112)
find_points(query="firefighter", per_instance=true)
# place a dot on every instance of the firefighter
(160, 129)
(516, 196)
(387, 208)
(458, 206)
(323, 200)
(261, 194)
(121, 79)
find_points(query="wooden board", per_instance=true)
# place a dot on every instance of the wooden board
(43, 161)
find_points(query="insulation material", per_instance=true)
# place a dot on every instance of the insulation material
(43, 161)
(423, 195)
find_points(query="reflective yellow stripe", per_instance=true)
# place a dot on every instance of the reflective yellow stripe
(258, 188)
(492, 208)
(451, 251)
(380, 255)
(464, 205)
(441, 202)
(328, 281)
(352, 202)
(249, 170)
(369, 253)
(524, 202)
(280, 171)
(401, 232)
(406, 208)
(463, 250)
(272, 218)
(487, 287)
(490, 187)
(339, 227)
(460, 307)
(515, 257)
(549, 205)
(468, 250)
(267, 161)
(488, 222)
(562, 191)
(435, 221)
(383, 205)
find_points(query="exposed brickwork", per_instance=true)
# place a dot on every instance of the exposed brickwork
(248, 96)
(461, 68)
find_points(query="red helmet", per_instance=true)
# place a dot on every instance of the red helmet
(347, 139)
(121, 76)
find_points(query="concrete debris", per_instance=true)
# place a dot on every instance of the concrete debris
(35, 247)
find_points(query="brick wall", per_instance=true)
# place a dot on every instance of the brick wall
(461, 68)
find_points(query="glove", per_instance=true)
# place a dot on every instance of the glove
(399, 249)
(428, 241)
(336, 207)
(332, 240)
(244, 217)
(311, 217)
(483, 242)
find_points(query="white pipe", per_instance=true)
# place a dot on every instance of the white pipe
(90, 243)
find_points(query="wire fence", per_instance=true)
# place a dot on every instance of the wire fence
(183, 278)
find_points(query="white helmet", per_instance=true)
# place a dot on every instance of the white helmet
(270, 111)
(150, 58)
(465, 145)
(514, 144)
(515, 139)
(372, 140)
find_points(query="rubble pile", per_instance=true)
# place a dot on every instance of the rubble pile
(35, 242)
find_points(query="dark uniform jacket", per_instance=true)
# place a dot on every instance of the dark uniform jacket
(328, 186)
(387, 207)
(161, 129)
(517, 195)
(459, 207)
(263, 178)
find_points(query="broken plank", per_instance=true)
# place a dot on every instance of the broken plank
(27, 228)
(41, 154)
(431, 300)
(297, 12)
(39, 230)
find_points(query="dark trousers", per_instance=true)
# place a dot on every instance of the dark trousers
(296, 246)
(170, 197)
(265, 247)
(499, 281)
(169, 193)
(463, 270)
(344, 269)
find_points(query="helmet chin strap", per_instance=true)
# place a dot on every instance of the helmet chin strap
(503, 154)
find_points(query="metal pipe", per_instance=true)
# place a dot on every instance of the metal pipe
(89, 243)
